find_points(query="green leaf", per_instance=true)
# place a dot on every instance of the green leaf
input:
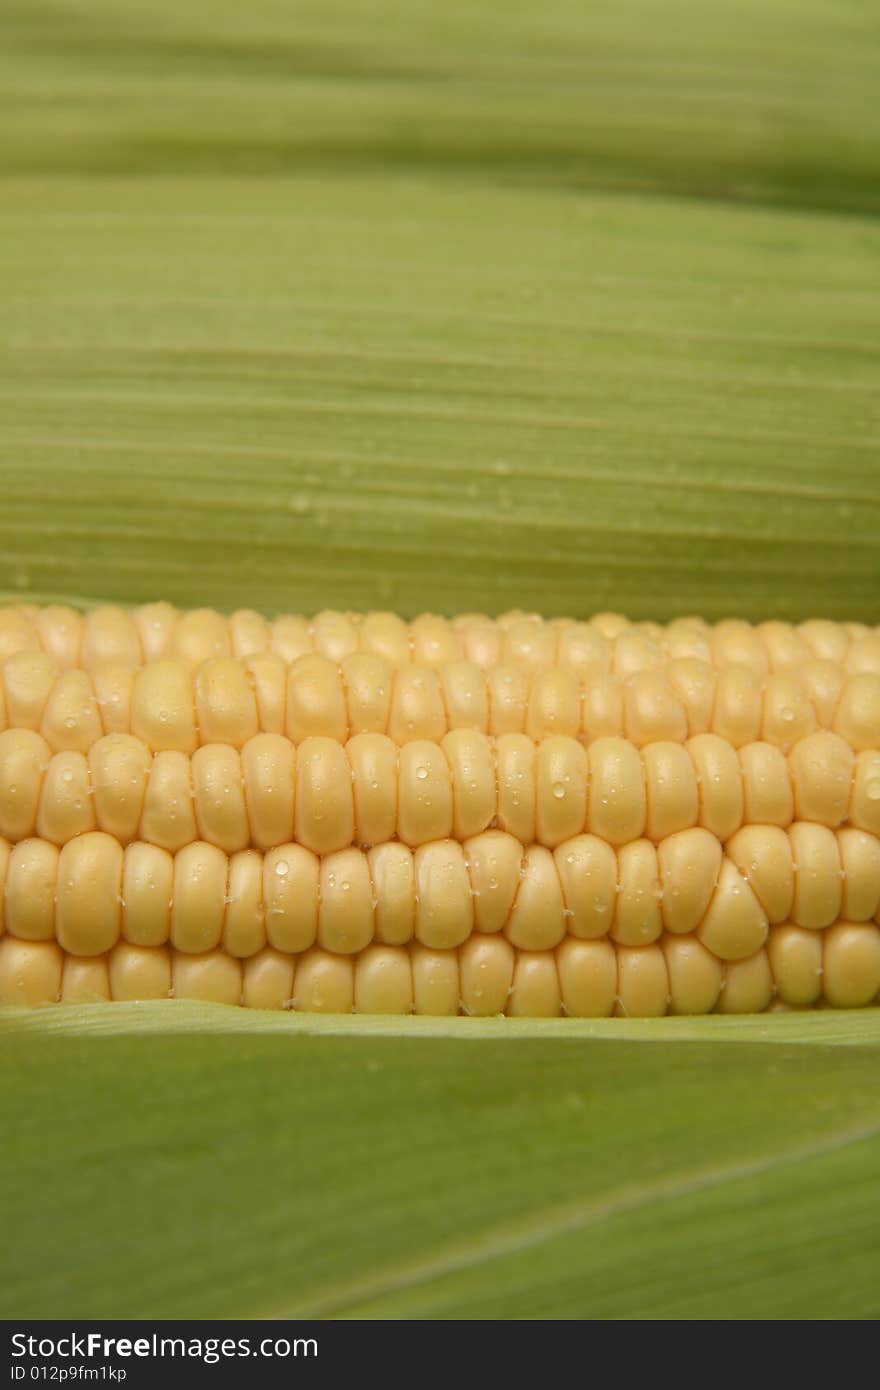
(193, 1161)
(440, 306)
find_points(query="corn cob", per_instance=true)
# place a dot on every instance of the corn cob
(607, 642)
(174, 706)
(328, 795)
(328, 830)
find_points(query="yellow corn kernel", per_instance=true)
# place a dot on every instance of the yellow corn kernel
(70, 720)
(670, 788)
(822, 770)
(554, 705)
(28, 679)
(601, 708)
(373, 759)
(851, 964)
(738, 709)
(226, 706)
(587, 869)
(435, 977)
(85, 980)
(244, 922)
(748, 986)
(642, 982)
(537, 919)
(200, 635)
(864, 810)
(694, 682)
(470, 757)
(291, 638)
(690, 865)
(367, 680)
(767, 790)
(529, 643)
(383, 982)
(508, 691)
(860, 867)
(334, 635)
(31, 881)
(323, 983)
(719, 784)
(417, 710)
(637, 920)
(156, 624)
(162, 709)
(147, 890)
(168, 817)
(535, 991)
(218, 796)
(653, 712)
(515, 771)
(433, 641)
(735, 925)
(268, 675)
(486, 965)
(324, 806)
(795, 956)
(823, 683)
(762, 853)
(5, 851)
(113, 687)
(110, 634)
(587, 977)
(89, 895)
(213, 977)
(248, 633)
(24, 758)
(788, 715)
(315, 701)
(424, 794)
(494, 860)
(118, 768)
(268, 770)
(784, 645)
(735, 643)
(65, 808)
(818, 887)
(199, 898)
(394, 894)
(561, 778)
(465, 695)
(444, 907)
(345, 903)
(857, 716)
(617, 799)
(30, 972)
(290, 897)
(695, 975)
(267, 980)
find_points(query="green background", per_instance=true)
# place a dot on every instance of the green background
(440, 305)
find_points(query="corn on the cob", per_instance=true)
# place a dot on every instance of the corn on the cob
(607, 642)
(327, 795)
(174, 706)
(448, 816)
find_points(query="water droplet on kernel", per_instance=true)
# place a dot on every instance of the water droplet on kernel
(282, 867)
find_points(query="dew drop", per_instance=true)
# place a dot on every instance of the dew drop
(558, 790)
(282, 867)
(421, 773)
